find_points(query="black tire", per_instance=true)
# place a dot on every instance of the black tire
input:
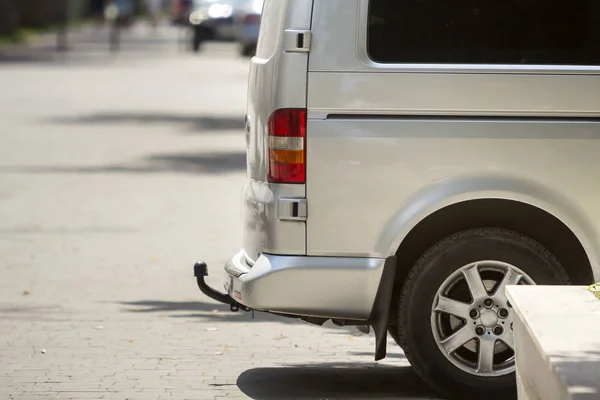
(427, 276)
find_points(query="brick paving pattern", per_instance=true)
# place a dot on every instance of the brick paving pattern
(116, 174)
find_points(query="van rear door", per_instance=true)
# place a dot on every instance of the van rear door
(272, 209)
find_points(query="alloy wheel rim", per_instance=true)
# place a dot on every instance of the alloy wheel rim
(472, 319)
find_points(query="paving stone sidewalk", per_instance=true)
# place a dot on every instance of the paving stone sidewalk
(116, 174)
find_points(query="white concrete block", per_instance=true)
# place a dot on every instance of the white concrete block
(557, 336)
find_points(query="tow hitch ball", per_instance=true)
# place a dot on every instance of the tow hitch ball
(200, 272)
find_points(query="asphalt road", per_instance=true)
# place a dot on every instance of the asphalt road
(117, 172)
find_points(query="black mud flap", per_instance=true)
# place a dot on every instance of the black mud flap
(380, 314)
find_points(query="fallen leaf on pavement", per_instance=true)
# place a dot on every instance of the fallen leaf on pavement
(130, 341)
(26, 292)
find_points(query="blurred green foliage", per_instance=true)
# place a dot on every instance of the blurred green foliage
(19, 17)
(595, 289)
(16, 15)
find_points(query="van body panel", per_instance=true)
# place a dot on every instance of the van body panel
(334, 28)
(365, 170)
(263, 231)
(456, 190)
(387, 144)
(454, 94)
(341, 25)
(271, 66)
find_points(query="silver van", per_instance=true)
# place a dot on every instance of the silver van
(409, 159)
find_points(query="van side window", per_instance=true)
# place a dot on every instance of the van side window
(565, 32)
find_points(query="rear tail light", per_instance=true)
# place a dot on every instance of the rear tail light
(252, 19)
(287, 133)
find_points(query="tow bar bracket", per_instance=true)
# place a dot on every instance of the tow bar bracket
(200, 272)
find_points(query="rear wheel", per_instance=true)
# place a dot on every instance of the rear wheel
(455, 322)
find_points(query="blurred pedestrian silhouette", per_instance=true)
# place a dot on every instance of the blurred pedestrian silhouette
(61, 33)
(119, 13)
(154, 8)
(125, 12)
(180, 10)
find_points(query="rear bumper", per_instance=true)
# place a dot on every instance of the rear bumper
(329, 287)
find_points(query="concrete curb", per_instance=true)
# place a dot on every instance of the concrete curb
(557, 337)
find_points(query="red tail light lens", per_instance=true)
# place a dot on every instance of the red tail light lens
(287, 133)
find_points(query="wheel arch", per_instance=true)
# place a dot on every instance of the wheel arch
(521, 217)
(492, 200)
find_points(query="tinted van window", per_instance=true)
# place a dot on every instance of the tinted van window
(485, 31)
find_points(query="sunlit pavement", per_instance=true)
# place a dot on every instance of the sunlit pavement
(117, 172)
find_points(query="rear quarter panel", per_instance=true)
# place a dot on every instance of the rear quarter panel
(276, 80)
(389, 144)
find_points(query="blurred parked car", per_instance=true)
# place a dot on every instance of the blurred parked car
(213, 20)
(247, 25)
